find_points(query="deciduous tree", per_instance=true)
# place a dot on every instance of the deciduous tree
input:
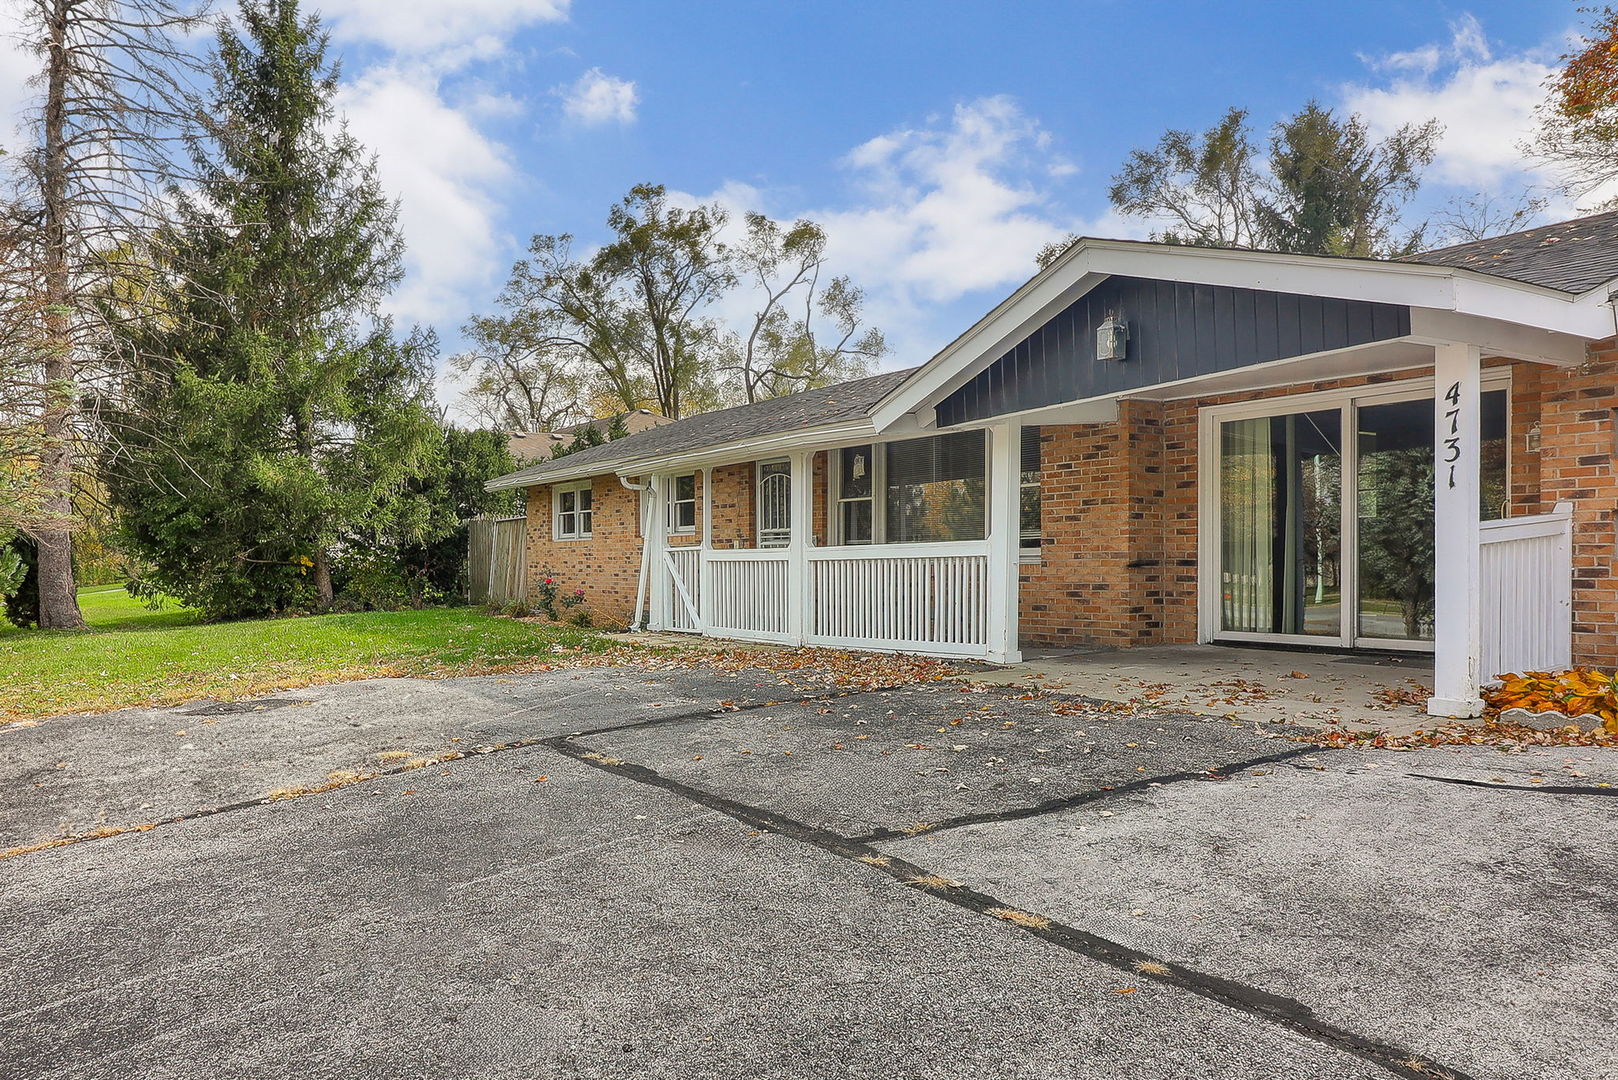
(1579, 120)
(805, 332)
(1326, 186)
(112, 87)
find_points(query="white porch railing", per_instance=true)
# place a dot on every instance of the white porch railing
(748, 593)
(929, 598)
(908, 597)
(1526, 584)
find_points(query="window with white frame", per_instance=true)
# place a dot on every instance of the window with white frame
(1028, 491)
(683, 504)
(574, 517)
(856, 495)
(774, 503)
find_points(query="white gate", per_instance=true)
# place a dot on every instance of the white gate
(1526, 584)
(684, 566)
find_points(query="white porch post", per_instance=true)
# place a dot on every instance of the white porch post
(1458, 628)
(1005, 540)
(704, 562)
(656, 532)
(803, 523)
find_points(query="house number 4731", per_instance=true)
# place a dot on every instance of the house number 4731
(1452, 442)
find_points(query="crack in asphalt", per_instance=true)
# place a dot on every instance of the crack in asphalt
(707, 713)
(1064, 802)
(1539, 789)
(1286, 1012)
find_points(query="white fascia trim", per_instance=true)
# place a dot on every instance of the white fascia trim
(1091, 261)
(854, 431)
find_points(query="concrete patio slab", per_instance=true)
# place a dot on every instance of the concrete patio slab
(1311, 689)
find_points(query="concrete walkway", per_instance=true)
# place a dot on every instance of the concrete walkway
(1380, 693)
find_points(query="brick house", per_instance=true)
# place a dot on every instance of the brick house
(1153, 444)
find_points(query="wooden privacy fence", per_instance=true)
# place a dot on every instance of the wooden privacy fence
(495, 559)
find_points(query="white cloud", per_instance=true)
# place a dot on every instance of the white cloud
(462, 28)
(447, 175)
(953, 207)
(941, 220)
(1485, 102)
(598, 98)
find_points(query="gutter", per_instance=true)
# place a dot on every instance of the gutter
(635, 625)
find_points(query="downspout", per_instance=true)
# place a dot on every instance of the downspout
(645, 561)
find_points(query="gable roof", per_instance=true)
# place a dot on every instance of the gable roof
(1569, 256)
(794, 412)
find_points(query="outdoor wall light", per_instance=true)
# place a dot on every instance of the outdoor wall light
(1532, 441)
(1112, 339)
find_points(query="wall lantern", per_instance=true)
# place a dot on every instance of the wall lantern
(1532, 441)
(1112, 339)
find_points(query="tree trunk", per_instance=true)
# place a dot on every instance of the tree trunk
(322, 579)
(58, 599)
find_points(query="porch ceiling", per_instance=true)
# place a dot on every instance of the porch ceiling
(1380, 358)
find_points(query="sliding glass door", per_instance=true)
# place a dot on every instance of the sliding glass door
(1328, 539)
(1281, 479)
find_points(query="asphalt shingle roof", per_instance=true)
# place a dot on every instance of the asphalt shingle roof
(1570, 256)
(809, 409)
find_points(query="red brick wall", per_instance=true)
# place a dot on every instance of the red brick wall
(1099, 578)
(607, 566)
(1577, 434)
(1119, 566)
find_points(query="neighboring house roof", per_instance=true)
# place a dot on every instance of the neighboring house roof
(809, 409)
(533, 446)
(1569, 256)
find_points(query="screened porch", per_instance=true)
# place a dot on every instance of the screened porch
(881, 545)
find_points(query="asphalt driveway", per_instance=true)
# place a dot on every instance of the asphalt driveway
(615, 873)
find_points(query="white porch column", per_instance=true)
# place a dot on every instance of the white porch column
(704, 563)
(1458, 628)
(803, 524)
(657, 524)
(1005, 540)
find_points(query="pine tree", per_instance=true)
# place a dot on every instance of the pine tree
(276, 421)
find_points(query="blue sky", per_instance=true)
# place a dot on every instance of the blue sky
(940, 143)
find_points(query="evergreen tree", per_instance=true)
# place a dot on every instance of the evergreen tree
(275, 421)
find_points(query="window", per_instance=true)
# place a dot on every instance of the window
(774, 503)
(683, 504)
(856, 488)
(1028, 493)
(575, 513)
(934, 488)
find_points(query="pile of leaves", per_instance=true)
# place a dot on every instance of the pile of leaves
(797, 668)
(1503, 735)
(1579, 692)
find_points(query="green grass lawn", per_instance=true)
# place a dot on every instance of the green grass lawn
(132, 655)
